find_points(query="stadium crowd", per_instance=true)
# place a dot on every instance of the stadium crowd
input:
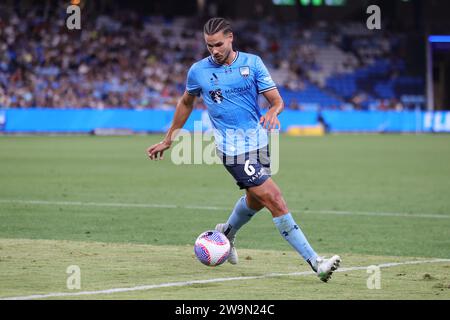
(131, 61)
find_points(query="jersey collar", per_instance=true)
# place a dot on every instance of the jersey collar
(224, 65)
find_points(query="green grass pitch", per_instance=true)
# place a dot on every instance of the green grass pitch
(100, 204)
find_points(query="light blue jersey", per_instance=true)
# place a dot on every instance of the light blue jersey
(230, 93)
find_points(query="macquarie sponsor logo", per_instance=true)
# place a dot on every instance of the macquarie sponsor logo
(238, 91)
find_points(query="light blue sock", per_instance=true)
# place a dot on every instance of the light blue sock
(241, 215)
(294, 235)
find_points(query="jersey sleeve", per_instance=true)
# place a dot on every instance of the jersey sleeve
(192, 85)
(264, 81)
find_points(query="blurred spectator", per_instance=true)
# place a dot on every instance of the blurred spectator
(126, 60)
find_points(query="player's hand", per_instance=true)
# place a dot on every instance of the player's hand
(156, 151)
(270, 120)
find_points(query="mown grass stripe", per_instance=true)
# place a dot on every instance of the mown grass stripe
(199, 207)
(216, 280)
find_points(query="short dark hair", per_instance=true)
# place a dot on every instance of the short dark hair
(214, 25)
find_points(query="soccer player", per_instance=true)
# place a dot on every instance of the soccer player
(230, 82)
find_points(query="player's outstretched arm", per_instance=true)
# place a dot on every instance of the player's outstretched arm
(270, 119)
(182, 112)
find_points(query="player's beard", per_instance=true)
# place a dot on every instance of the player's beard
(226, 58)
(223, 60)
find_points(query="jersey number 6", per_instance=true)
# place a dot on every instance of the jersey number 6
(248, 168)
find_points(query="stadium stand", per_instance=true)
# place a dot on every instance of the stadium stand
(140, 62)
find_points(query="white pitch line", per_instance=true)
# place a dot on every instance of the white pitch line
(384, 214)
(188, 283)
(91, 204)
(214, 208)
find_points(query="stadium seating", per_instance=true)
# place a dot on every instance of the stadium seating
(140, 62)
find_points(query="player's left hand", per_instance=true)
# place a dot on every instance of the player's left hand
(270, 120)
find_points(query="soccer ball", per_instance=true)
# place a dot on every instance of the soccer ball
(212, 248)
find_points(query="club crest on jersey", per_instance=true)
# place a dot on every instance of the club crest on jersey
(216, 95)
(245, 71)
